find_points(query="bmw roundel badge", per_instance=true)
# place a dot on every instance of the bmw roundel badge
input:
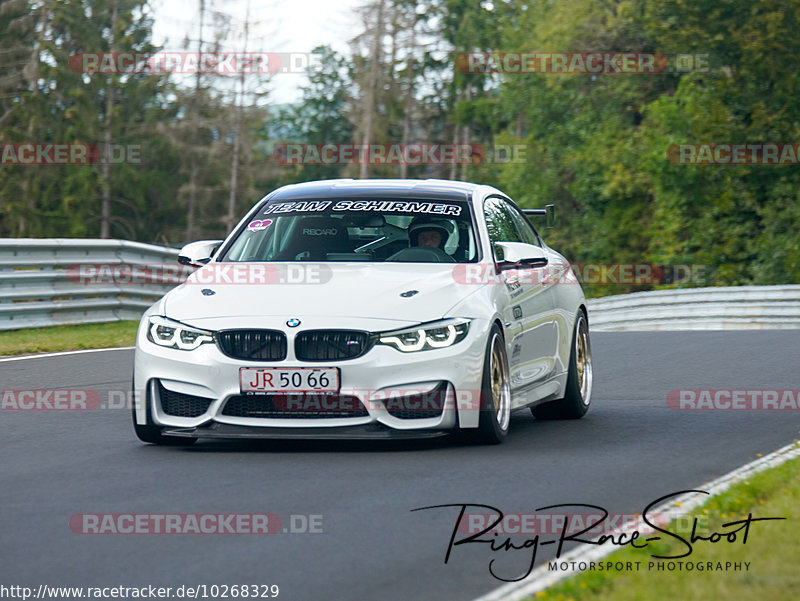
(293, 322)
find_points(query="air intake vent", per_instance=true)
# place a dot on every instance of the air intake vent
(182, 405)
(418, 406)
(294, 406)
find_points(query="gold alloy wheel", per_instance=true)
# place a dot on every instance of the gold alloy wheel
(583, 361)
(501, 393)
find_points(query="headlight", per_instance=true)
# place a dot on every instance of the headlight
(427, 336)
(173, 334)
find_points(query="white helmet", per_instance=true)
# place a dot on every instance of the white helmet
(425, 224)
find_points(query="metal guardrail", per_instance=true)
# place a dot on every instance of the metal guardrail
(722, 308)
(46, 282)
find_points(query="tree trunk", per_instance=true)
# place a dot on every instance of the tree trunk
(105, 203)
(194, 122)
(456, 139)
(230, 221)
(465, 137)
(408, 101)
(372, 88)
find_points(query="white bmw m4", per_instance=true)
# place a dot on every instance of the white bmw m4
(366, 308)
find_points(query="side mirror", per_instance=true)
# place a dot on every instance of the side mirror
(199, 253)
(549, 213)
(519, 255)
(549, 216)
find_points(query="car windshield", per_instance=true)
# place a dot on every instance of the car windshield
(381, 230)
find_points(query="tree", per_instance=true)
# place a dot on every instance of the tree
(321, 115)
(53, 100)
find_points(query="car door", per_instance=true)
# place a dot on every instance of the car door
(532, 306)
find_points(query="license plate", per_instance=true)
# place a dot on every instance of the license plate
(297, 379)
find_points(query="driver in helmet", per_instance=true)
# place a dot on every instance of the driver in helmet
(428, 233)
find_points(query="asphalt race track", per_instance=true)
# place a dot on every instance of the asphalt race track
(629, 450)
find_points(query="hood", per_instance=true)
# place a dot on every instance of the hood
(382, 291)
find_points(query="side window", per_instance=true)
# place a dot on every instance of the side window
(523, 226)
(500, 222)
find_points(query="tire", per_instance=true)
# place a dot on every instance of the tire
(578, 393)
(149, 432)
(495, 410)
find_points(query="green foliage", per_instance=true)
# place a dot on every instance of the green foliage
(598, 144)
(595, 145)
(49, 101)
(321, 115)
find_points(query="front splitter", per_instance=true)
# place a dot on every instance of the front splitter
(367, 431)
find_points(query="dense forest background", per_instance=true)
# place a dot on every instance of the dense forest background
(595, 145)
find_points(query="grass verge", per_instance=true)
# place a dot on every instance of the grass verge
(68, 338)
(772, 549)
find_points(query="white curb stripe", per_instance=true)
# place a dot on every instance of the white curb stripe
(63, 353)
(541, 578)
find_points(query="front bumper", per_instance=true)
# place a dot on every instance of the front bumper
(379, 379)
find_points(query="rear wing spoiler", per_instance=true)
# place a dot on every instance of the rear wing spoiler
(548, 212)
